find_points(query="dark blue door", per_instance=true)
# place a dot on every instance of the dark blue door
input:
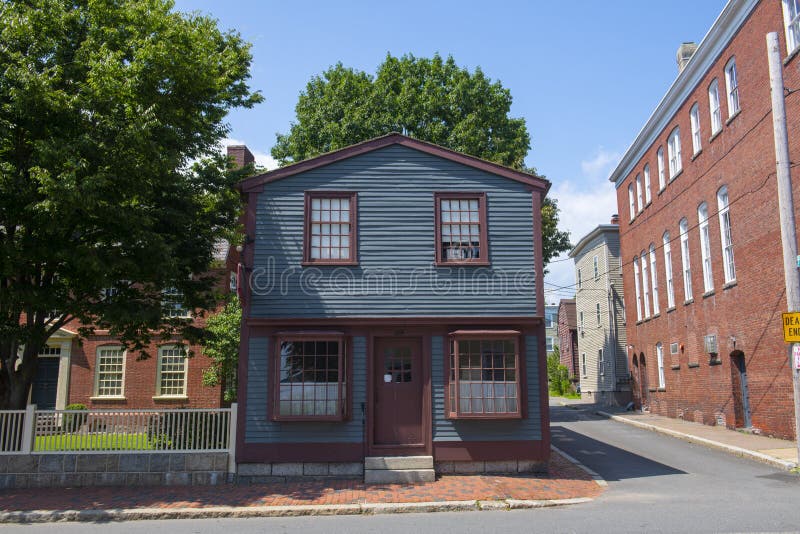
(45, 384)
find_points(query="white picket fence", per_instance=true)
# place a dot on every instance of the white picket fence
(102, 431)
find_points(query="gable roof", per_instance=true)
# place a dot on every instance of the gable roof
(601, 229)
(255, 183)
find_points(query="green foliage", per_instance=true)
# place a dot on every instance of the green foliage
(73, 421)
(221, 344)
(433, 100)
(557, 375)
(110, 114)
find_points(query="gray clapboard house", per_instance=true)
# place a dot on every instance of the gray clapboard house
(393, 316)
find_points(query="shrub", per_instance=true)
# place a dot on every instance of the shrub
(74, 421)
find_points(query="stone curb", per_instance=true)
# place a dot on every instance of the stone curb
(600, 481)
(737, 451)
(133, 514)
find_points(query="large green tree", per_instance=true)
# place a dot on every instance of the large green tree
(431, 99)
(110, 114)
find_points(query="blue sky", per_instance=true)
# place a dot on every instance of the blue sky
(585, 74)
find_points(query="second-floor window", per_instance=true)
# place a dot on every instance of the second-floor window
(694, 118)
(732, 84)
(637, 285)
(172, 304)
(725, 234)
(791, 18)
(645, 284)
(647, 195)
(705, 247)
(654, 278)
(662, 180)
(597, 311)
(631, 202)
(461, 228)
(713, 107)
(330, 228)
(668, 270)
(674, 152)
(685, 262)
(596, 267)
(639, 192)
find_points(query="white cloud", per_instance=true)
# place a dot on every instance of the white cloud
(583, 204)
(263, 158)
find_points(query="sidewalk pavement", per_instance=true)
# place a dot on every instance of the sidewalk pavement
(779, 453)
(566, 483)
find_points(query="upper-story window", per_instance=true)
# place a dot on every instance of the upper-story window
(645, 284)
(631, 201)
(791, 19)
(685, 262)
(732, 85)
(662, 180)
(674, 152)
(580, 281)
(705, 247)
(596, 267)
(461, 228)
(654, 278)
(172, 305)
(725, 234)
(580, 321)
(713, 107)
(694, 118)
(597, 312)
(647, 195)
(330, 228)
(668, 270)
(639, 201)
(638, 287)
(109, 378)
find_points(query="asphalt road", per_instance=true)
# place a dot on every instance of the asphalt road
(656, 484)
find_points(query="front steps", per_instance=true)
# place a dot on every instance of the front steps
(398, 469)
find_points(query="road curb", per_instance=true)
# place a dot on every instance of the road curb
(134, 514)
(737, 451)
(600, 481)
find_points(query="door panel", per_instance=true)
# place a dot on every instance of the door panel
(398, 379)
(45, 384)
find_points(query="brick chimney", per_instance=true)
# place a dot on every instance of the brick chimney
(615, 219)
(241, 155)
(685, 53)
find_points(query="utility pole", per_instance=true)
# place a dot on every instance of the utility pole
(785, 206)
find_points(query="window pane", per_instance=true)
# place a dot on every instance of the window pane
(309, 378)
(486, 369)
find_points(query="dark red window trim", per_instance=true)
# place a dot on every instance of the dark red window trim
(344, 374)
(451, 412)
(309, 196)
(484, 239)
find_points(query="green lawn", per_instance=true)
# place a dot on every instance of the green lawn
(89, 442)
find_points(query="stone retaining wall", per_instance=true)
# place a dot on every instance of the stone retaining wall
(282, 472)
(504, 467)
(137, 469)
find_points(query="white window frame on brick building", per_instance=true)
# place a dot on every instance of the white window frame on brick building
(638, 287)
(732, 86)
(668, 270)
(631, 202)
(694, 119)
(647, 195)
(685, 260)
(713, 107)
(645, 284)
(109, 377)
(705, 247)
(639, 192)
(726, 238)
(674, 153)
(791, 20)
(662, 179)
(662, 383)
(654, 278)
(173, 369)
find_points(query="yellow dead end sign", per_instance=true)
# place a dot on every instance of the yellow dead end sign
(791, 327)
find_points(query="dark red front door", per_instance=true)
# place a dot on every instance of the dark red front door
(397, 416)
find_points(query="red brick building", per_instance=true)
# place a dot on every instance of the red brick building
(700, 236)
(568, 335)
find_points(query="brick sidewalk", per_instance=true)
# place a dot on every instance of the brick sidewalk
(564, 481)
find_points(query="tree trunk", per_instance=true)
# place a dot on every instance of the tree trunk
(16, 381)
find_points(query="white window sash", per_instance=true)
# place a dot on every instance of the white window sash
(686, 264)
(791, 17)
(662, 181)
(637, 285)
(654, 280)
(645, 285)
(713, 106)
(668, 272)
(647, 195)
